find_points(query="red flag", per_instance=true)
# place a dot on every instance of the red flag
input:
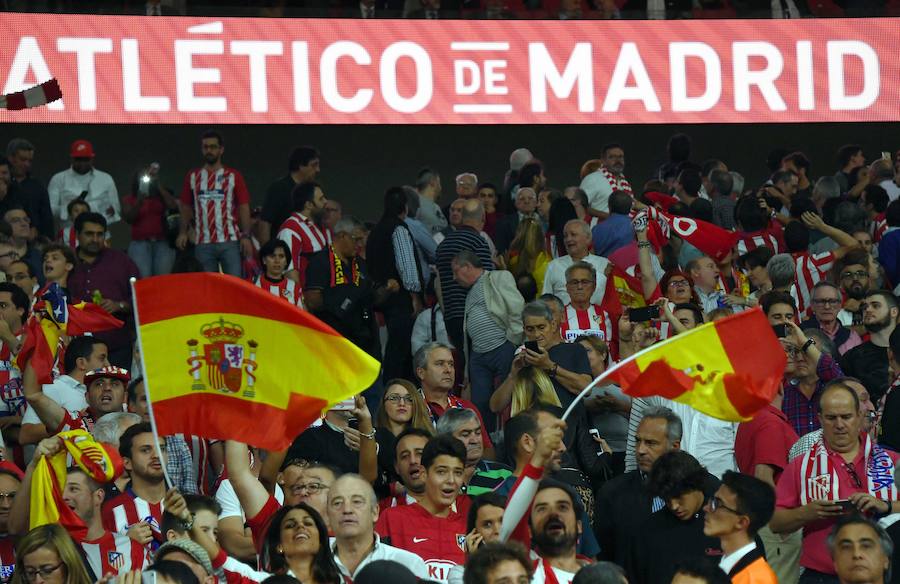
(710, 239)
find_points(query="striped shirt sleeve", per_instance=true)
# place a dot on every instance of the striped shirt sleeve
(405, 258)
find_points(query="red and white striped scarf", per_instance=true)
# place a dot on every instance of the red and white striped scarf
(617, 184)
(820, 479)
(36, 96)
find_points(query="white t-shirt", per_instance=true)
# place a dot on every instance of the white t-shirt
(555, 277)
(102, 195)
(231, 507)
(67, 392)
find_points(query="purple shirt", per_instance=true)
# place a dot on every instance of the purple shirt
(803, 413)
(110, 274)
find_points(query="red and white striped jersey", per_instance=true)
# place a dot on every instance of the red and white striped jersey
(7, 559)
(12, 400)
(593, 321)
(115, 553)
(878, 227)
(285, 288)
(304, 238)
(126, 509)
(215, 198)
(83, 420)
(770, 237)
(67, 236)
(809, 269)
(199, 448)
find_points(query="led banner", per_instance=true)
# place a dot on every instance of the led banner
(127, 69)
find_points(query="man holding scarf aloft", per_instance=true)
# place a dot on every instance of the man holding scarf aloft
(844, 472)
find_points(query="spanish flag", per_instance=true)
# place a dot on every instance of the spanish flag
(50, 320)
(98, 461)
(728, 369)
(226, 359)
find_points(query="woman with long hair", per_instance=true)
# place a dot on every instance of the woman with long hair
(526, 254)
(532, 386)
(48, 551)
(296, 544)
(402, 407)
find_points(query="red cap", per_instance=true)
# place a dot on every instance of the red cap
(81, 149)
(11, 469)
(110, 372)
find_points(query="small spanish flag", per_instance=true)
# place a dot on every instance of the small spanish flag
(98, 461)
(225, 359)
(52, 318)
(728, 369)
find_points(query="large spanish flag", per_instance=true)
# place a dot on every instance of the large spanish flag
(226, 359)
(728, 369)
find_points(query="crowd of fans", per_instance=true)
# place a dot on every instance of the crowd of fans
(490, 310)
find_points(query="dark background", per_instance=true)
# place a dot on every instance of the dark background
(359, 162)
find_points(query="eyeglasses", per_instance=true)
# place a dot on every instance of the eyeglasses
(716, 503)
(44, 571)
(826, 302)
(10, 495)
(311, 488)
(853, 476)
(13, 255)
(395, 397)
(679, 284)
(792, 352)
(857, 275)
(580, 283)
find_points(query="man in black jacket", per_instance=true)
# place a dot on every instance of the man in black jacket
(675, 532)
(625, 502)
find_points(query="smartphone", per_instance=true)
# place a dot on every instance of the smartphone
(886, 156)
(353, 423)
(846, 505)
(643, 314)
(344, 406)
(594, 432)
(532, 346)
(148, 577)
(780, 330)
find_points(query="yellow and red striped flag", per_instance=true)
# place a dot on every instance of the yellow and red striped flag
(98, 461)
(226, 359)
(728, 369)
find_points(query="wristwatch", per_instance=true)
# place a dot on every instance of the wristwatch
(809, 343)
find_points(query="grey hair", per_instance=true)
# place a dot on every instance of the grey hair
(824, 284)
(582, 224)
(582, 265)
(347, 224)
(452, 419)
(828, 187)
(823, 341)
(17, 144)
(674, 427)
(467, 257)
(108, 428)
(370, 492)
(738, 182)
(722, 181)
(537, 309)
(600, 573)
(463, 175)
(473, 210)
(420, 359)
(781, 270)
(887, 544)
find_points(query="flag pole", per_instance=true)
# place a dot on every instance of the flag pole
(618, 366)
(137, 326)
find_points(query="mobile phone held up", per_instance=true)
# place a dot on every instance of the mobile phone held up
(643, 314)
(780, 330)
(532, 346)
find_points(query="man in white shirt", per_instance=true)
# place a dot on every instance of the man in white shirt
(705, 274)
(600, 184)
(577, 236)
(881, 173)
(82, 180)
(83, 354)
(352, 512)
(742, 505)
